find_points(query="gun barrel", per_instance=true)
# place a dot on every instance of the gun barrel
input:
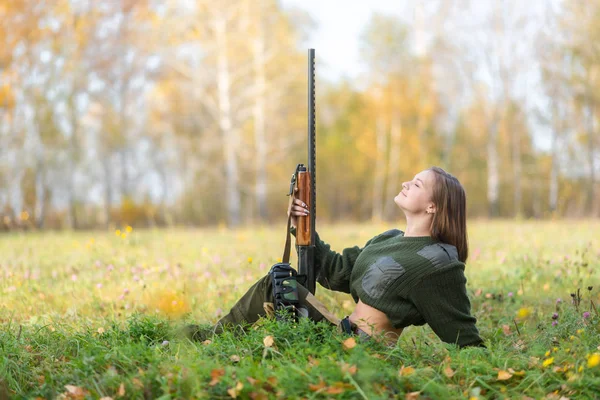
(312, 145)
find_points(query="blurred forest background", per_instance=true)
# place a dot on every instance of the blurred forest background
(193, 112)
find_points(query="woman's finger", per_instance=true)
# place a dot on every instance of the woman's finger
(300, 203)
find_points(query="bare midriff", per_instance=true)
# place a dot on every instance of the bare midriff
(374, 322)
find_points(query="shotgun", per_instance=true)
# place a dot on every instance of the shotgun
(283, 275)
(305, 179)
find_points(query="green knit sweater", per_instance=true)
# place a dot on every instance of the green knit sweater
(413, 280)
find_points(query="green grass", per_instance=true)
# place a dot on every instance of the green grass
(93, 314)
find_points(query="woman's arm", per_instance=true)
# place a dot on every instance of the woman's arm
(334, 269)
(442, 300)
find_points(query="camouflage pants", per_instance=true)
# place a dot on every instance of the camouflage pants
(258, 302)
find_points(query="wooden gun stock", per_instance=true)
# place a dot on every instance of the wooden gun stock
(303, 231)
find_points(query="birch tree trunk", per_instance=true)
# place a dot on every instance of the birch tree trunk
(108, 190)
(40, 191)
(591, 192)
(553, 184)
(393, 186)
(260, 160)
(378, 182)
(230, 140)
(517, 170)
(492, 168)
(74, 156)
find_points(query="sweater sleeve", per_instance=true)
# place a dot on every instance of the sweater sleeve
(333, 268)
(442, 300)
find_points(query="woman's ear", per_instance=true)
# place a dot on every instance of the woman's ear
(431, 209)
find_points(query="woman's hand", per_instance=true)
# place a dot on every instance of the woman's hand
(298, 209)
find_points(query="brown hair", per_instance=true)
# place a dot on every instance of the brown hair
(449, 224)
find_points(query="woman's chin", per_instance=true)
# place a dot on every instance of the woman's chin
(398, 202)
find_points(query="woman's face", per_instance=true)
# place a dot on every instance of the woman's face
(415, 196)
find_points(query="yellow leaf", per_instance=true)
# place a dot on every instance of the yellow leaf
(233, 392)
(268, 341)
(349, 343)
(504, 375)
(405, 371)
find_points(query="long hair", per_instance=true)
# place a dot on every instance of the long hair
(449, 224)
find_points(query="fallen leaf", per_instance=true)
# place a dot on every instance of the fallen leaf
(412, 396)
(312, 361)
(478, 292)
(272, 380)
(137, 383)
(106, 398)
(351, 369)
(349, 343)
(338, 387)
(258, 396)
(520, 345)
(234, 391)
(318, 386)
(75, 392)
(215, 376)
(506, 329)
(268, 341)
(121, 391)
(251, 380)
(533, 361)
(405, 371)
(504, 375)
(449, 372)
(235, 358)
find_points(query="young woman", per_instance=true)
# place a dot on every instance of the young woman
(397, 278)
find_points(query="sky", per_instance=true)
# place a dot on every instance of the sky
(339, 26)
(336, 40)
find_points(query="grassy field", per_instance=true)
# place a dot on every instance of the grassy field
(97, 315)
